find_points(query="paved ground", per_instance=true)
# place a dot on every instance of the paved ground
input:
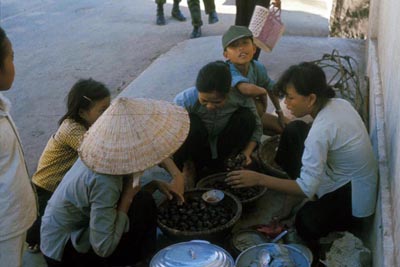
(117, 42)
(57, 42)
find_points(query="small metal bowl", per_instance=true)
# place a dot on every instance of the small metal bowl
(213, 196)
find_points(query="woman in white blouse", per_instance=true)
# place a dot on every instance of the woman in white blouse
(330, 162)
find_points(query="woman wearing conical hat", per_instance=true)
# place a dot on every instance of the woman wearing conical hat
(99, 215)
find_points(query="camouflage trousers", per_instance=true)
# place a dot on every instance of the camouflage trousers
(195, 12)
(162, 2)
(194, 8)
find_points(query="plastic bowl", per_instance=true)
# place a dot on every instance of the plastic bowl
(209, 182)
(213, 196)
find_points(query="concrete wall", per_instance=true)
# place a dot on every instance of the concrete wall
(383, 56)
(349, 18)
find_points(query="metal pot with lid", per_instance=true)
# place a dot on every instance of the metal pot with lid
(195, 253)
(274, 255)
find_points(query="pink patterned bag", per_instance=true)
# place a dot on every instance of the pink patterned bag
(266, 26)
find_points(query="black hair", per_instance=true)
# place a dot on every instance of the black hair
(307, 78)
(3, 47)
(82, 96)
(215, 76)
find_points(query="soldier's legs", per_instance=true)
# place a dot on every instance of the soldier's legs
(195, 12)
(176, 12)
(209, 6)
(160, 19)
(210, 10)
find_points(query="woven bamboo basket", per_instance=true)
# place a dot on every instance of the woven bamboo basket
(214, 234)
(266, 157)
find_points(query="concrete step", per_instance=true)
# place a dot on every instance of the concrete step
(177, 69)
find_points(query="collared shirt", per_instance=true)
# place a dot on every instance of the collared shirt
(59, 155)
(83, 209)
(257, 75)
(17, 198)
(215, 121)
(337, 151)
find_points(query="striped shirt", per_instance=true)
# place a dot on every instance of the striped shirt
(59, 155)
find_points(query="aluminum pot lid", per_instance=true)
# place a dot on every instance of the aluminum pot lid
(196, 253)
(280, 255)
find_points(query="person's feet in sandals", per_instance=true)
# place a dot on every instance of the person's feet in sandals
(33, 248)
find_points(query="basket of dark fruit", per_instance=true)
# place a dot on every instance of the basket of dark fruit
(246, 195)
(197, 219)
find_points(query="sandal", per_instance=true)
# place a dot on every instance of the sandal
(34, 248)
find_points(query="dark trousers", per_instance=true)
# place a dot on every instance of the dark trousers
(33, 234)
(162, 2)
(245, 9)
(331, 212)
(244, 12)
(291, 147)
(138, 244)
(195, 12)
(231, 141)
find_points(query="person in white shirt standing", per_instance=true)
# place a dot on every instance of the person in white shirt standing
(17, 202)
(331, 163)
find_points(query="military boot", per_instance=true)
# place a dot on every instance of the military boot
(176, 12)
(196, 33)
(160, 15)
(212, 17)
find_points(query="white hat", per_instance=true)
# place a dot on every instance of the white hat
(133, 135)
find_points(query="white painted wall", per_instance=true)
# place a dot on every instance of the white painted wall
(384, 73)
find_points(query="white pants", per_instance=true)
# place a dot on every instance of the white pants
(11, 251)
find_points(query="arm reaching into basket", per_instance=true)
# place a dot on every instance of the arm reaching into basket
(178, 181)
(128, 193)
(167, 189)
(245, 178)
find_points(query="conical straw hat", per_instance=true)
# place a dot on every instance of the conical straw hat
(133, 135)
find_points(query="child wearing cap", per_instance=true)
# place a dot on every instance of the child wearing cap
(99, 215)
(250, 77)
